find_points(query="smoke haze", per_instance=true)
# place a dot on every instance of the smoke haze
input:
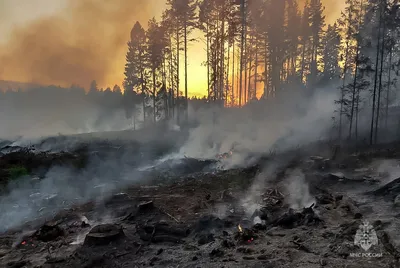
(43, 112)
(88, 41)
(258, 129)
(85, 41)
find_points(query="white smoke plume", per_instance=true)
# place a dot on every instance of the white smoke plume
(27, 200)
(299, 196)
(252, 200)
(388, 168)
(261, 128)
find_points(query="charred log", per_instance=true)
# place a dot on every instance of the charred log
(49, 232)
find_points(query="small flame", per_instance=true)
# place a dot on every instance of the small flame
(225, 155)
(23, 242)
(240, 228)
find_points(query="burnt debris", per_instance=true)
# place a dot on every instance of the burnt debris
(104, 234)
(292, 219)
(389, 190)
(201, 221)
(49, 232)
(162, 232)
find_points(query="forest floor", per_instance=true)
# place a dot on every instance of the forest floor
(285, 211)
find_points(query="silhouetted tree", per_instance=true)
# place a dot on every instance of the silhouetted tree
(331, 44)
(93, 87)
(117, 89)
(155, 48)
(305, 33)
(186, 13)
(317, 23)
(136, 77)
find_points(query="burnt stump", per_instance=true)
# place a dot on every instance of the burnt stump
(104, 234)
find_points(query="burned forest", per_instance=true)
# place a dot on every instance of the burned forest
(228, 133)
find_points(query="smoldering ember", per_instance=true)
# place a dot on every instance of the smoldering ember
(278, 148)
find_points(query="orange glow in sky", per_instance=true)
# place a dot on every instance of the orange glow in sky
(66, 42)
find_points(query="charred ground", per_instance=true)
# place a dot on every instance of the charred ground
(195, 214)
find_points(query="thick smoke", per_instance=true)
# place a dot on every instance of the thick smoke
(262, 127)
(85, 41)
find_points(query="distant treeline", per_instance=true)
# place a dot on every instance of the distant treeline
(60, 102)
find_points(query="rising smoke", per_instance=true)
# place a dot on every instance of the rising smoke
(262, 127)
(91, 47)
(299, 194)
(31, 200)
(85, 41)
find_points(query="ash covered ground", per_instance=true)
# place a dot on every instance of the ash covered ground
(127, 203)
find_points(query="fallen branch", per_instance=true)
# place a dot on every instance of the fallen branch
(165, 229)
(169, 215)
(124, 254)
(302, 247)
(137, 251)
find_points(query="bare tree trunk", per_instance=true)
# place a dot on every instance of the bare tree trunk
(314, 67)
(222, 63)
(172, 96)
(265, 68)
(357, 111)
(293, 71)
(166, 110)
(287, 69)
(249, 93)
(186, 75)
(144, 96)
(344, 83)
(376, 78)
(143, 87)
(303, 58)
(245, 75)
(388, 87)
(164, 70)
(354, 91)
(154, 95)
(242, 41)
(227, 77)
(238, 77)
(380, 74)
(216, 83)
(177, 74)
(255, 68)
(208, 61)
(233, 73)
(164, 76)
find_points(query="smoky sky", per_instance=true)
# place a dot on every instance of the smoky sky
(85, 41)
